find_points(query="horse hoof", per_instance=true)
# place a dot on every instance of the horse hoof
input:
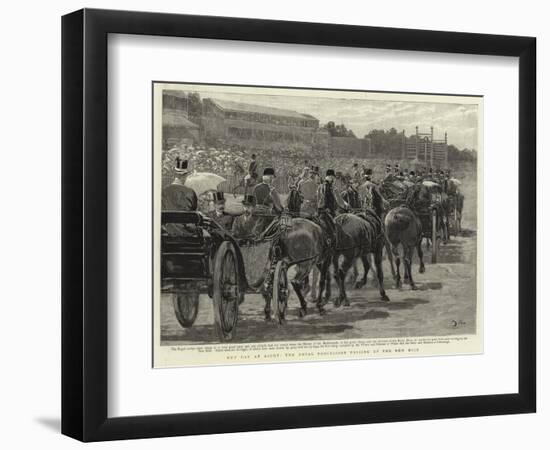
(358, 285)
(385, 298)
(347, 303)
(322, 311)
(398, 284)
(302, 312)
(422, 269)
(414, 287)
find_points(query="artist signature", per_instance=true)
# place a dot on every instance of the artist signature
(457, 323)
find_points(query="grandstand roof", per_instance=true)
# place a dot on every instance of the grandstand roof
(228, 105)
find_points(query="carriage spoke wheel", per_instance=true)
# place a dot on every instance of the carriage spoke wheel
(186, 304)
(226, 291)
(279, 299)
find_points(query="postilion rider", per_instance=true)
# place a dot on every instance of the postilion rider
(328, 201)
(268, 201)
(308, 189)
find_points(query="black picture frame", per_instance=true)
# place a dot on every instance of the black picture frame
(84, 224)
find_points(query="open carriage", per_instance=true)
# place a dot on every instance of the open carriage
(199, 257)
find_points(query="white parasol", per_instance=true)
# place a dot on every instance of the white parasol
(430, 184)
(203, 181)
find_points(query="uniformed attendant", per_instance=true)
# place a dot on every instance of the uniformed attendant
(219, 214)
(351, 196)
(244, 225)
(294, 200)
(308, 190)
(388, 176)
(253, 168)
(328, 201)
(365, 190)
(356, 172)
(177, 196)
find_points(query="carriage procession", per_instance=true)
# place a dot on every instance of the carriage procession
(325, 224)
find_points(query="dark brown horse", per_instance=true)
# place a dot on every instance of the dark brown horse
(403, 227)
(359, 236)
(303, 247)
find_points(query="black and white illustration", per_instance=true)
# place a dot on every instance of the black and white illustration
(301, 217)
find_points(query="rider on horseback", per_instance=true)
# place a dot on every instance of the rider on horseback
(328, 201)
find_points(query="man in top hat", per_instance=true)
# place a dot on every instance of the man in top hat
(219, 214)
(244, 225)
(177, 196)
(266, 196)
(328, 201)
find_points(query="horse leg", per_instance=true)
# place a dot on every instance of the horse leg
(314, 282)
(323, 269)
(422, 268)
(341, 276)
(398, 275)
(408, 265)
(380, 273)
(267, 308)
(366, 267)
(299, 281)
(390, 257)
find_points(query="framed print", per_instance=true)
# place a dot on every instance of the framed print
(276, 224)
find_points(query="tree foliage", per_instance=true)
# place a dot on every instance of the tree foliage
(338, 130)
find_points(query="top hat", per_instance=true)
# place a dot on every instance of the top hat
(181, 166)
(249, 200)
(368, 172)
(411, 173)
(218, 197)
(253, 155)
(330, 172)
(269, 171)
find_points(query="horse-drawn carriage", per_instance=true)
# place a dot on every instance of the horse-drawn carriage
(200, 257)
(427, 201)
(428, 206)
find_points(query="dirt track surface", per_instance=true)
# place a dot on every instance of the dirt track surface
(444, 304)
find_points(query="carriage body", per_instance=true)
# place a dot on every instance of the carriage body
(197, 257)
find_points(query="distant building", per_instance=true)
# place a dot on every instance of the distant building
(422, 148)
(255, 125)
(176, 126)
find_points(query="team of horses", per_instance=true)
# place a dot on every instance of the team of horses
(362, 235)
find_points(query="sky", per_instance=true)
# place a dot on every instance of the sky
(459, 120)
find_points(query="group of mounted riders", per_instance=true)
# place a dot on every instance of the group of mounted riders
(357, 222)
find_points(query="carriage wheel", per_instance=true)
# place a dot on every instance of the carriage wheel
(226, 291)
(186, 305)
(279, 299)
(434, 236)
